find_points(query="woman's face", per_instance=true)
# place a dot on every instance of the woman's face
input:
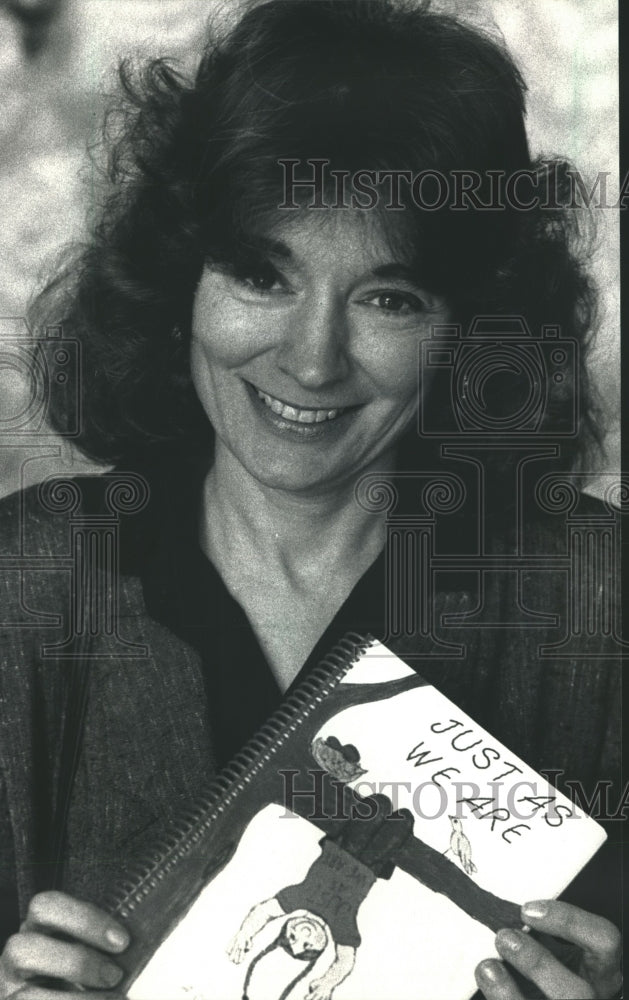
(305, 354)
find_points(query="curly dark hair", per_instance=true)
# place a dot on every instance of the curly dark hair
(193, 168)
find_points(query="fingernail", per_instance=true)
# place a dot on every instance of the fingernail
(110, 974)
(535, 910)
(117, 937)
(491, 970)
(509, 939)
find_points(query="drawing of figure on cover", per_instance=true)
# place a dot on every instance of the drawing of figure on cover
(322, 910)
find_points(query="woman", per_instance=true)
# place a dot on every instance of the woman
(249, 364)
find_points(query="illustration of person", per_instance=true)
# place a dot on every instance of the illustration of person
(304, 937)
(416, 857)
(323, 908)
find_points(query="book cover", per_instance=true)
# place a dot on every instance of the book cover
(368, 843)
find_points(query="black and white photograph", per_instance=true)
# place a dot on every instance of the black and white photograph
(311, 500)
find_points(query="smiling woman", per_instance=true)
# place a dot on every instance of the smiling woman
(316, 346)
(245, 366)
(304, 358)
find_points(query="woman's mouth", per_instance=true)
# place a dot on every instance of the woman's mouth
(295, 414)
(301, 423)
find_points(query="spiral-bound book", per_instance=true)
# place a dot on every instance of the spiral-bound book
(367, 843)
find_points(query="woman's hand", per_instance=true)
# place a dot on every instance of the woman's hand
(80, 959)
(599, 974)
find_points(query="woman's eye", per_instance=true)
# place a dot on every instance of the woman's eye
(401, 303)
(261, 280)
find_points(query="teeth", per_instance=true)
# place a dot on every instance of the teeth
(298, 416)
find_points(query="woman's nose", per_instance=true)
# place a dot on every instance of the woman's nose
(313, 348)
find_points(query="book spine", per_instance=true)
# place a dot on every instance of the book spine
(226, 786)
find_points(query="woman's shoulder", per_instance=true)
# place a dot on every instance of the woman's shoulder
(49, 529)
(545, 528)
(35, 553)
(129, 513)
(28, 525)
(35, 521)
(39, 521)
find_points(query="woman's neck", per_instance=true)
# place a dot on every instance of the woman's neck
(290, 560)
(298, 534)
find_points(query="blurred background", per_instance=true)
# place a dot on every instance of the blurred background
(57, 65)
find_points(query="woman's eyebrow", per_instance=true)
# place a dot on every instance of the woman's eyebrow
(404, 272)
(268, 247)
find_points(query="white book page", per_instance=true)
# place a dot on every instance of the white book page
(527, 840)
(471, 800)
(399, 922)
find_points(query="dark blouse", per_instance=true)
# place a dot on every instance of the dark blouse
(185, 592)
(164, 714)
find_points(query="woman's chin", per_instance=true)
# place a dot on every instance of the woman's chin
(300, 480)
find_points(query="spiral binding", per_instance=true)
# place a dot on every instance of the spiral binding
(195, 822)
